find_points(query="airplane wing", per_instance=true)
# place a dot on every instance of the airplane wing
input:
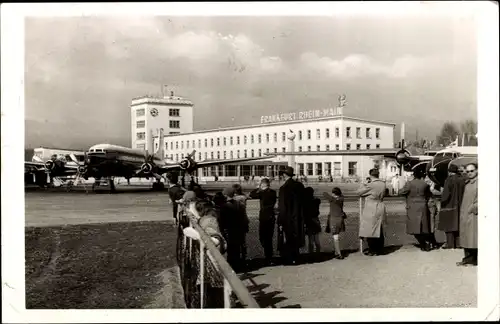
(386, 153)
(208, 163)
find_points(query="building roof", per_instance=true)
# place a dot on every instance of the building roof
(282, 123)
(170, 100)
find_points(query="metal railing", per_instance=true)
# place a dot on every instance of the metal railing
(207, 279)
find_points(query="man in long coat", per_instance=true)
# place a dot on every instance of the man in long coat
(451, 200)
(291, 218)
(418, 220)
(175, 192)
(468, 217)
(374, 213)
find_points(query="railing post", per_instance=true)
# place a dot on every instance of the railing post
(202, 274)
(227, 294)
(360, 213)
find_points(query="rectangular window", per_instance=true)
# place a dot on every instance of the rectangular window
(224, 141)
(231, 155)
(251, 139)
(358, 132)
(328, 168)
(327, 147)
(141, 146)
(231, 171)
(283, 149)
(348, 146)
(218, 155)
(177, 157)
(309, 148)
(327, 133)
(377, 146)
(206, 142)
(212, 155)
(377, 133)
(308, 134)
(348, 132)
(267, 138)
(172, 146)
(318, 148)
(140, 124)
(174, 124)
(260, 152)
(245, 154)
(238, 154)
(199, 143)
(309, 169)
(275, 150)
(187, 144)
(275, 137)
(300, 148)
(211, 142)
(182, 145)
(283, 136)
(319, 168)
(301, 168)
(368, 135)
(193, 143)
(199, 156)
(172, 112)
(140, 112)
(300, 135)
(353, 169)
(218, 141)
(252, 153)
(318, 134)
(267, 150)
(358, 146)
(259, 139)
(367, 146)
(337, 169)
(337, 132)
(225, 155)
(245, 140)
(237, 140)
(337, 147)
(141, 136)
(176, 145)
(206, 155)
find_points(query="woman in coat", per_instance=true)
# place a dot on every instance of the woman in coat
(418, 220)
(336, 218)
(374, 213)
(468, 217)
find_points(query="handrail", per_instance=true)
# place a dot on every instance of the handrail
(237, 286)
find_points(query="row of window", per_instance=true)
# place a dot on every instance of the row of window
(230, 140)
(337, 133)
(172, 112)
(171, 124)
(309, 170)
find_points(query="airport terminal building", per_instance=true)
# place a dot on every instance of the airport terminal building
(326, 129)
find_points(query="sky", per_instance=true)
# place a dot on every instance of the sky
(81, 73)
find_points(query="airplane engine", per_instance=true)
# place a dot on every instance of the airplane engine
(147, 167)
(403, 157)
(50, 165)
(82, 169)
(187, 164)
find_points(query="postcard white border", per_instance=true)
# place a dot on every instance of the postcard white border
(12, 131)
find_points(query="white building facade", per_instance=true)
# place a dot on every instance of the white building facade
(330, 133)
(149, 114)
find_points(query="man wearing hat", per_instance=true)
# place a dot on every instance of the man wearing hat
(290, 217)
(451, 199)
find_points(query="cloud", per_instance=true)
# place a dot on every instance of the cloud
(358, 65)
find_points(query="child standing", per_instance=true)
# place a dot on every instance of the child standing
(311, 220)
(336, 219)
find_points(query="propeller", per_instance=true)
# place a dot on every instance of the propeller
(403, 155)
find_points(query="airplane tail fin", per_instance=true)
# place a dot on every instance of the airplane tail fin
(160, 153)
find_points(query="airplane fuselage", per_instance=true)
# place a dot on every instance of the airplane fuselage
(106, 160)
(437, 169)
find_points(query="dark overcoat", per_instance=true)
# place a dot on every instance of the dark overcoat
(451, 199)
(291, 211)
(468, 216)
(267, 202)
(417, 193)
(175, 193)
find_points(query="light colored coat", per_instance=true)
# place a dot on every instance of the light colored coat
(468, 216)
(374, 210)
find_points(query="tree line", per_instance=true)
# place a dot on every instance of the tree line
(465, 131)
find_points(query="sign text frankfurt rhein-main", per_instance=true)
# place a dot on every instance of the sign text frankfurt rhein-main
(302, 115)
